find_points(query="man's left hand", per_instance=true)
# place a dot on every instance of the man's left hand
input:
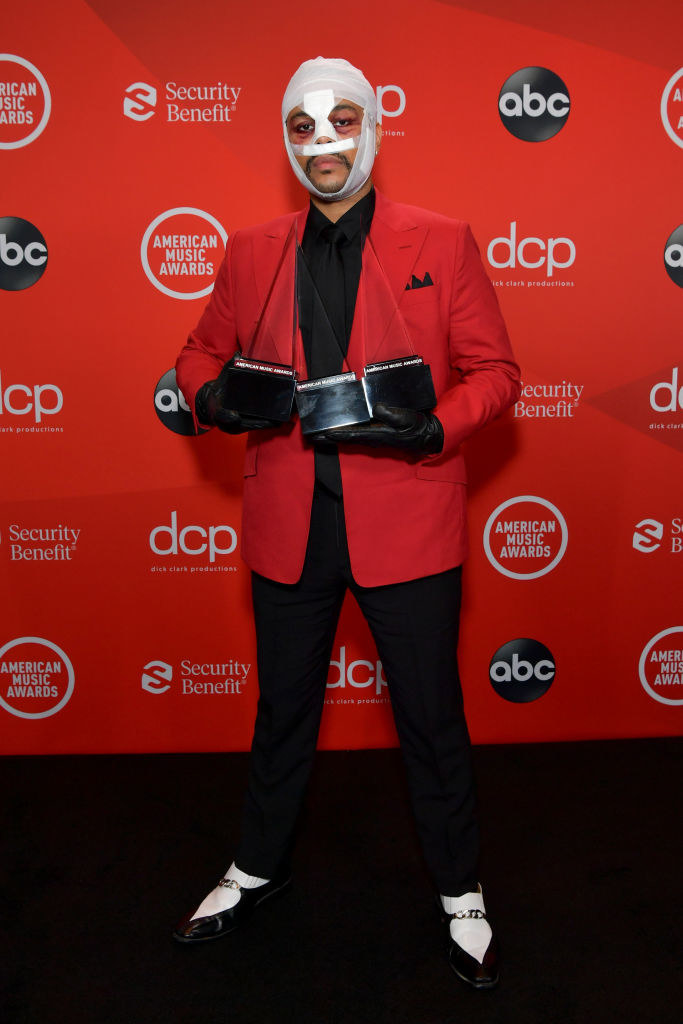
(392, 428)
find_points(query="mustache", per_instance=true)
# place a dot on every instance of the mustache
(338, 156)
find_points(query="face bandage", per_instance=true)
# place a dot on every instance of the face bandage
(317, 88)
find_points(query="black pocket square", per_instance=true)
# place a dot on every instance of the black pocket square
(417, 283)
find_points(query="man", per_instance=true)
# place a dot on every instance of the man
(375, 507)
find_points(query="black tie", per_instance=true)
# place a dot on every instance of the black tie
(330, 339)
(329, 347)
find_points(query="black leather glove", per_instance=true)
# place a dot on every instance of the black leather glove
(393, 428)
(208, 405)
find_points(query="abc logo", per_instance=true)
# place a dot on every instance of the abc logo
(171, 407)
(23, 254)
(534, 104)
(522, 670)
(673, 256)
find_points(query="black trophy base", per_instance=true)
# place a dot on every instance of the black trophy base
(404, 383)
(257, 388)
(329, 402)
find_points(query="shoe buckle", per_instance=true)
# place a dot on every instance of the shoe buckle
(229, 883)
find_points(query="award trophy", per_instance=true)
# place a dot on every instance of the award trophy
(337, 400)
(402, 379)
(255, 382)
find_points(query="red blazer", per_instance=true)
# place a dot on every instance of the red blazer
(405, 515)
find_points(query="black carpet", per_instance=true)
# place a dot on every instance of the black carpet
(582, 872)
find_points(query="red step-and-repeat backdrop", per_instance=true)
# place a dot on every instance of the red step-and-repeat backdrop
(135, 137)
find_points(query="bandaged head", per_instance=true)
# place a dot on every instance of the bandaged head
(317, 88)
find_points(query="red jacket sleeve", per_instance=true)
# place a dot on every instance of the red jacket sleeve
(479, 349)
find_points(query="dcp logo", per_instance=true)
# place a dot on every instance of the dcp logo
(360, 674)
(171, 407)
(157, 676)
(23, 254)
(192, 540)
(21, 399)
(647, 535)
(396, 106)
(671, 107)
(665, 395)
(534, 104)
(531, 252)
(139, 102)
(522, 670)
(673, 256)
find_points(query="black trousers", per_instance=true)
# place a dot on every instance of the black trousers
(415, 628)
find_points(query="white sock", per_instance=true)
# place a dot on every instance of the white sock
(473, 934)
(223, 897)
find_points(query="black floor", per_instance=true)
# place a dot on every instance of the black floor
(582, 872)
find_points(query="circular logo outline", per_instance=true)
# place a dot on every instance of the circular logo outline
(70, 672)
(641, 667)
(540, 572)
(663, 107)
(47, 98)
(148, 234)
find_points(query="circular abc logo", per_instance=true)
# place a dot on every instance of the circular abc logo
(522, 670)
(525, 537)
(171, 407)
(23, 254)
(36, 677)
(181, 251)
(534, 104)
(673, 256)
(24, 102)
(671, 108)
(661, 666)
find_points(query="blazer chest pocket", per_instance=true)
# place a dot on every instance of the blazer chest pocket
(417, 296)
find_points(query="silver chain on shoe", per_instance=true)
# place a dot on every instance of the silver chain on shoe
(462, 914)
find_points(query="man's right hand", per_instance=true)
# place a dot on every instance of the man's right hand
(210, 410)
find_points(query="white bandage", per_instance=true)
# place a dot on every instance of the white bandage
(316, 87)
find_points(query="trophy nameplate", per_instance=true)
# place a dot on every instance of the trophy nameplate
(328, 402)
(258, 388)
(404, 383)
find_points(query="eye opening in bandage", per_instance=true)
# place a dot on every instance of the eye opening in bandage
(322, 115)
